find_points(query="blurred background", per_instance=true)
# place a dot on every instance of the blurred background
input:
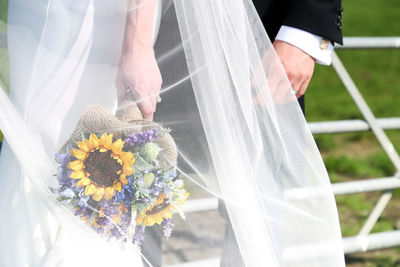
(350, 156)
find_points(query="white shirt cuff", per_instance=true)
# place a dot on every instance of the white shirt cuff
(307, 42)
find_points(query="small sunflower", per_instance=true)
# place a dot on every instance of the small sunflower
(155, 214)
(101, 166)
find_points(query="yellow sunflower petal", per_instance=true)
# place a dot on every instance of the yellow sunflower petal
(127, 158)
(149, 221)
(167, 213)
(117, 146)
(83, 146)
(98, 194)
(95, 140)
(158, 218)
(127, 170)
(117, 218)
(101, 213)
(83, 182)
(123, 179)
(90, 145)
(79, 154)
(109, 192)
(118, 186)
(106, 140)
(75, 165)
(90, 189)
(77, 174)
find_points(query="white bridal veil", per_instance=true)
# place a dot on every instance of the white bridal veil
(239, 132)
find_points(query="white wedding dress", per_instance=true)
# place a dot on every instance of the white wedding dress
(29, 227)
(263, 161)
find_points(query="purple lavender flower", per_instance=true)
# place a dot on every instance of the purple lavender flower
(140, 138)
(83, 213)
(167, 228)
(139, 235)
(63, 172)
(109, 210)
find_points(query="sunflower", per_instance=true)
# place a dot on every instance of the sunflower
(155, 214)
(101, 166)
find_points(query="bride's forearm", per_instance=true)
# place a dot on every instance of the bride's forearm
(139, 24)
(138, 70)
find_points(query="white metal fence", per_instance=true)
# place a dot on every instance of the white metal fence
(364, 241)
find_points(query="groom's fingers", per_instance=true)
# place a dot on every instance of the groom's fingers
(295, 81)
(299, 66)
(303, 88)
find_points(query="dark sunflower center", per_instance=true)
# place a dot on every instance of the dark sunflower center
(158, 208)
(102, 167)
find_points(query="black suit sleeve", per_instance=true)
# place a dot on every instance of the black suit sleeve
(320, 17)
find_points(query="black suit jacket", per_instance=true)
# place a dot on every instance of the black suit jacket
(320, 17)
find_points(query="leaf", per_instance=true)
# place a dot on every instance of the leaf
(149, 179)
(141, 165)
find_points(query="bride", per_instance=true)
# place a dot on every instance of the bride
(204, 70)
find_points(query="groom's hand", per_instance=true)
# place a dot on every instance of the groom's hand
(299, 66)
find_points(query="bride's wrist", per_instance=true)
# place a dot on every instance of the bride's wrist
(136, 46)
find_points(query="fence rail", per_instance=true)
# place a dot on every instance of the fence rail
(370, 43)
(347, 126)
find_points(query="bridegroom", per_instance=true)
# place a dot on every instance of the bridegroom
(303, 33)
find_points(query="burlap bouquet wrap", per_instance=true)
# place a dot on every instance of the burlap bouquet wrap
(128, 120)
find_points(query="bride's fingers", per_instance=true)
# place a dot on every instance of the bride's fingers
(148, 106)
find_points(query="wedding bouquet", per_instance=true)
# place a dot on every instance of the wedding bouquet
(118, 185)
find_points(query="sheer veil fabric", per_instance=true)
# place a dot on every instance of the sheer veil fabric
(240, 134)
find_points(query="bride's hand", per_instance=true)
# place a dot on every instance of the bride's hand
(138, 70)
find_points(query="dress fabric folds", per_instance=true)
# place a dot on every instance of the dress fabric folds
(235, 131)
